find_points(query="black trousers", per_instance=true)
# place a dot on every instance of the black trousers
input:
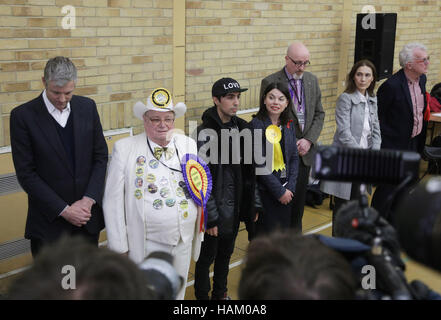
(338, 202)
(300, 196)
(218, 250)
(381, 200)
(275, 215)
(38, 244)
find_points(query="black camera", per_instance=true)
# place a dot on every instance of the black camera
(418, 222)
(162, 280)
(417, 228)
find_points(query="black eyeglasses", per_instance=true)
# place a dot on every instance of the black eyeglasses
(300, 63)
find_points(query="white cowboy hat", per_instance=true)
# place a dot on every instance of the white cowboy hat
(159, 100)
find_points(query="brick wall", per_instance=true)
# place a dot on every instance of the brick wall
(123, 48)
(248, 40)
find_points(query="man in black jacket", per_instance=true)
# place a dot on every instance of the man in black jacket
(232, 196)
(60, 157)
(401, 108)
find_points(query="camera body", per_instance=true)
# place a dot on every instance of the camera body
(162, 280)
(356, 220)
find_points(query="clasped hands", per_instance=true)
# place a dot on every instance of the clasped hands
(303, 146)
(79, 212)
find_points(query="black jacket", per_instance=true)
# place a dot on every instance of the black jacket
(270, 183)
(395, 112)
(45, 172)
(232, 196)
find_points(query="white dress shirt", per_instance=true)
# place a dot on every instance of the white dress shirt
(59, 116)
(366, 127)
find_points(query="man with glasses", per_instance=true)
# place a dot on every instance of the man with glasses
(147, 207)
(401, 106)
(307, 116)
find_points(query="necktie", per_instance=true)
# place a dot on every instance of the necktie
(299, 94)
(158, 151)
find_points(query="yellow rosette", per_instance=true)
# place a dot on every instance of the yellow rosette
(274, 135)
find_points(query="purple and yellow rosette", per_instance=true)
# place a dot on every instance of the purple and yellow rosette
(199, 183)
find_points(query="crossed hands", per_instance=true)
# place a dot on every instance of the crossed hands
(303, 146)
(79, 213)
(286, 197)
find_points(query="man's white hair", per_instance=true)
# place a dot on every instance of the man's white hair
(406, 54)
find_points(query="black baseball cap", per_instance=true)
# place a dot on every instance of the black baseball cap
(225, 86)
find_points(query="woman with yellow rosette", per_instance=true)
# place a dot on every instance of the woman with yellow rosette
(276, 188)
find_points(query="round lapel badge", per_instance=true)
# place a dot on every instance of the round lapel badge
(170, 202)
(183, 204)
(138, 182)
(161, 98)
(139, 171)
(151, 178)
(157, 204)
(153, 163)
(179, 192)
(165, 192)
(140, 160)
(138, 194)
(152, 188)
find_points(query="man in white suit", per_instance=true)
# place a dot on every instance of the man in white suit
(147, 206)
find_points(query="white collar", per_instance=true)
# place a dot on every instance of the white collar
(154, 144)
(50, 107)
(362, 97)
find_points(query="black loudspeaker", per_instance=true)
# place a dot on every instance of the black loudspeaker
(375, 41)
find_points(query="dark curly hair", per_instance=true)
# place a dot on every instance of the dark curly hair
(284, 116)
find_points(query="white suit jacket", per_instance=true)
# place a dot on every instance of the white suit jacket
(123, 213)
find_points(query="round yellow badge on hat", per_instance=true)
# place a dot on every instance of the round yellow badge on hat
(161, 98)
(273, 134)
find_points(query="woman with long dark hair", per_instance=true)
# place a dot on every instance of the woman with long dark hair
(277, 186)
(356, 116)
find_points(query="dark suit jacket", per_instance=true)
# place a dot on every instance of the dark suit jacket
(45, 172)
(315, 115)
(270, 183)
(395, 112)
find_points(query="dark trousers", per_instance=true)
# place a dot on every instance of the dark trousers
(338, 202)
(381, 200)
(275, 215)
(218, 250)
(38, 244)
(300, 196)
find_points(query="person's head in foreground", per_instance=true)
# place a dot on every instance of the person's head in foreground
(286, 266)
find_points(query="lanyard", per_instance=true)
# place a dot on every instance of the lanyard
(293, 91)
(177, 154)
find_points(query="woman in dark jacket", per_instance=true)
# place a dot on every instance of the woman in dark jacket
(276, 187)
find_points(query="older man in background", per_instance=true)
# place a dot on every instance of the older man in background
(147, 206)
(401, 107)
(307, 115)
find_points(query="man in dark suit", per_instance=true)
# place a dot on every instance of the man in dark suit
(60, 158)
(307, 115)
(401, 106)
